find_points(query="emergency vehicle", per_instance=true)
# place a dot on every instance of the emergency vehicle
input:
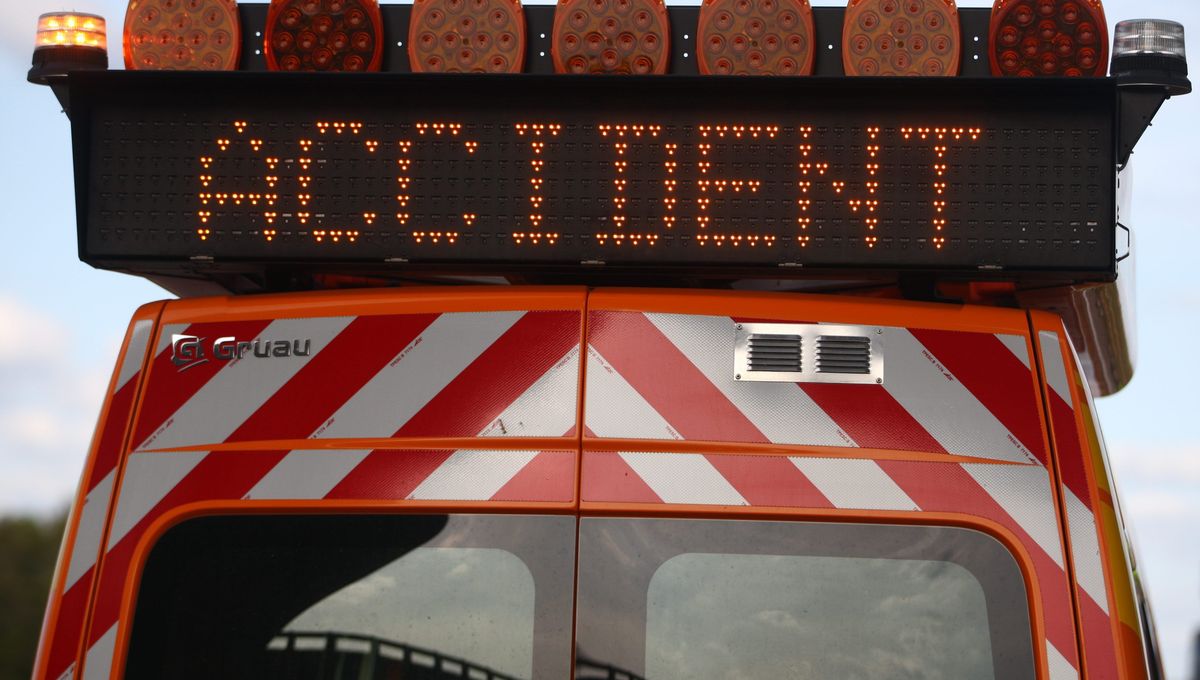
(539, 373)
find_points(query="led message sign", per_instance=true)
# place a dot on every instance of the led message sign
(705, 172)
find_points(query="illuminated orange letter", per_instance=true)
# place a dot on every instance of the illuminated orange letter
(941, 138)
(623, 231)
(538, 133)
(710, 183)
(240, 142)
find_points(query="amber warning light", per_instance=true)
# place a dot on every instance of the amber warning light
(68, 41)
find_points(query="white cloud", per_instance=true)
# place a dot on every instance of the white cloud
(48, 408)
(27, 335)
(1159, 486)
(35, 428)
(1151, 506)
(1156, 463)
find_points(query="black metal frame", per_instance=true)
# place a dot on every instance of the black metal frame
(1132, 110)
(112, 93)
(539, 20)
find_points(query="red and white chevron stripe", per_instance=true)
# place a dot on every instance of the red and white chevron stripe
(1095, 610)
(471, 374)
(670, 376)
(648, 375)
(405, 375)
(1016, 496)
(81, 554)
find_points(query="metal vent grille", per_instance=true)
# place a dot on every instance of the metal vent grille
(808, 353)
(774, 353)
(844, 354)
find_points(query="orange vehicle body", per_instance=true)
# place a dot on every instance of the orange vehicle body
(597, 403)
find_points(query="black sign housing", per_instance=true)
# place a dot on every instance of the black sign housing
(740, 176)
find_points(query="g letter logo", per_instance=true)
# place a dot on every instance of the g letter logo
(186, 351)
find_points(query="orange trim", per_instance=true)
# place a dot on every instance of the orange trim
(1124, 613)
(1060, 501)
(808, 307)
(375, 301)
(580, 409)
(148, 312)
(1131, 663)
(479, 443)
(118, 480)
(580, 427)
(760, 449)
(182, 513)
(588, 443)
(1128, 638)
(960, 520)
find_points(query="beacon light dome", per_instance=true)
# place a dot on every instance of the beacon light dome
(65, 42)
(71, 29)
(1151, 52)
(1149, 37)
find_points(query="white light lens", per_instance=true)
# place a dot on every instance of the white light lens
(1149, 36)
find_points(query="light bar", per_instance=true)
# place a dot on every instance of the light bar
(68, 41)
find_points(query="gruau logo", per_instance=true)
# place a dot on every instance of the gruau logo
(189, 351)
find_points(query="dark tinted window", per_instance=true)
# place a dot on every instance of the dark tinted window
(710, 599)
(340, 597)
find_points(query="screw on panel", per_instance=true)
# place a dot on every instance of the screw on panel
(737, 376)
(739, 326)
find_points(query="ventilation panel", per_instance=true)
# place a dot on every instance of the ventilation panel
(808, 353)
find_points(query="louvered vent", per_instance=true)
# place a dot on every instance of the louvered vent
(843, 354)
(775, 353)
(836, 354)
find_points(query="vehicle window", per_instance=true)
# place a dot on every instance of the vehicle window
(725, 600)
(341, 597)
(478, 597)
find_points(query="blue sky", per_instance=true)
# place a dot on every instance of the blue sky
(61, 321)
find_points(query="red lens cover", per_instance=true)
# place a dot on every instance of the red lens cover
(457, 36)
(901, 38)
(755, 37)
(192, 35)
(611, 36)
(1048, 38)
(324, 35)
